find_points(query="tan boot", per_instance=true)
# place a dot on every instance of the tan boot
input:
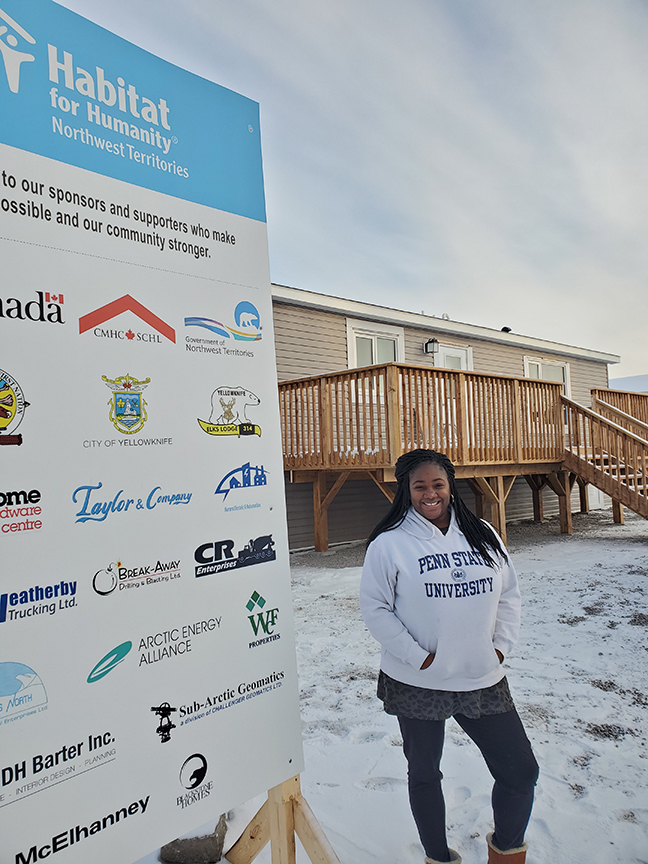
(511, 856)
(455, 858)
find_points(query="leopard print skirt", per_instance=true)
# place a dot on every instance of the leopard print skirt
(419, 703)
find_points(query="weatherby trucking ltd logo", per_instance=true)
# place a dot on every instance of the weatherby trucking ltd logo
(97, 322)
(228, 412)
(38, 600)
(12, 408)
(218, 556)
(118, 576)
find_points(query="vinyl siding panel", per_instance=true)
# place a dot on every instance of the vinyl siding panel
(308, 341)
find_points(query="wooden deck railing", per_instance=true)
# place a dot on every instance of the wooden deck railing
(607, 455)
(629, 410)
(365, 418)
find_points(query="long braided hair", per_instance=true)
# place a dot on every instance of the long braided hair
(481, 536)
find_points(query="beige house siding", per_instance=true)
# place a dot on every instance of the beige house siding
(308, 341)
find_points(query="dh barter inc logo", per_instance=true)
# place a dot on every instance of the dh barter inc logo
(12, 38)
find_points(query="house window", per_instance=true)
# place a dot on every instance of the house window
(454, 357)
(548, 370)
(369, 344)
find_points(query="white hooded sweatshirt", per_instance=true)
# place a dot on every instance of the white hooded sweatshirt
(424, 592)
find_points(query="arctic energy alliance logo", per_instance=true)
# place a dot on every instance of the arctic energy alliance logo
(118, 576)
(22, 692)
(127, 405)
(12, 38)
(109, 662)
(218, 556)
(228, 412)
(12, 408)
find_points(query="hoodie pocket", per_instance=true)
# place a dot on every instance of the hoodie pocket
(467, 657)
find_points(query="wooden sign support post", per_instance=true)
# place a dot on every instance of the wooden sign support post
(284, 814)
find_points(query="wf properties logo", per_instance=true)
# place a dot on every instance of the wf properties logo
(98, 511)
(11, 36)
(262, 621)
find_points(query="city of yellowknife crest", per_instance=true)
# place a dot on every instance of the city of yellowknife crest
(127, 405)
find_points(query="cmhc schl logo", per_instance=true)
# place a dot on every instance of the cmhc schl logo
(13, 58)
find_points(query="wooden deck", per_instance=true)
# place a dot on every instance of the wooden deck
(494, 428)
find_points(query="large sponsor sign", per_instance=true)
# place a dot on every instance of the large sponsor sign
(145, 618)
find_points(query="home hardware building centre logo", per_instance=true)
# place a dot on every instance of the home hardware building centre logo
(22, 506)
(217, 556)
(228, 412)
(93, 321)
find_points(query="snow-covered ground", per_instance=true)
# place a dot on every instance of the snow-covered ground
(580, 680)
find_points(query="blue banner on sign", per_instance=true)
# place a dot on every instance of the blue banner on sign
(74, 92)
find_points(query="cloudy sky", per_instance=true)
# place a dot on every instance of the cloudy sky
(487, 159)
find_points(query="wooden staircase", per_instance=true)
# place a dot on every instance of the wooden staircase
(607, 455)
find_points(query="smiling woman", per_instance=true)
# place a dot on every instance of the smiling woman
(440, 595)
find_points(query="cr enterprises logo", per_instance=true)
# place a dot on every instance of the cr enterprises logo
(12, 38)
(98, 511)
(218, 556)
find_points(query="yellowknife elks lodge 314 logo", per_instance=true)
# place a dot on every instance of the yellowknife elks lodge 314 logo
(228, 412)
(127, 406)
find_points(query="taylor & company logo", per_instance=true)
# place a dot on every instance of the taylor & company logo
(37, 601)
(96, 320)
(229, 412)
(12, 43)
(192, 777)
(20, 505)
(94, 510)
(109, 662)
(245, 477)
(22, 692)
(12, 408)
(118, 576)
(127, 404)
(217, 556)
(262, 621)
(34, 310)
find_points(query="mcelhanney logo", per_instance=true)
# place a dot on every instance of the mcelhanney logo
(107, 664)
(12, 56)
(127, 406)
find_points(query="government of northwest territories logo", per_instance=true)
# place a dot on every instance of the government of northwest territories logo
(218, 556)
(94, 320)
(246, 319)
(228, 412)
(12, 408)
(13, 57)
(127, 405)
(21, 691)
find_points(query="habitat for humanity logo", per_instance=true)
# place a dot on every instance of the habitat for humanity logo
(242, 478)
(218, 556)
(98, 511)
(94, 320)
(127, 405)
(247, 325)
(107, 580)
(228, 412)
(12, 408)
(192, 775)
(37, 600)
(262, 620)
(13, 58)
(34, 310)
(21, 692)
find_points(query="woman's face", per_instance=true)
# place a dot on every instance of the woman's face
(430, 493)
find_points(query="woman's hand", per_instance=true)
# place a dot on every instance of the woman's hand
(500, 655)
(427, 662)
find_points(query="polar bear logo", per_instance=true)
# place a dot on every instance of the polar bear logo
(228, 405)
(247, 319)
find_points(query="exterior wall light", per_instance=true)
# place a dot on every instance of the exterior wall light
(431, 346)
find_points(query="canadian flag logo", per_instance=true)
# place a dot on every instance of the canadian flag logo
(54, 298)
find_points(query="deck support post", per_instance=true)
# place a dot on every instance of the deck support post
(617, 512)
(480, 508)
(583, 493)
(496, 490)
(284, 814)
(537, 482)
(561, 485)
(321, 501)
(387, 492)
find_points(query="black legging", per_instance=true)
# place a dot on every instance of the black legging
(507, 751)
